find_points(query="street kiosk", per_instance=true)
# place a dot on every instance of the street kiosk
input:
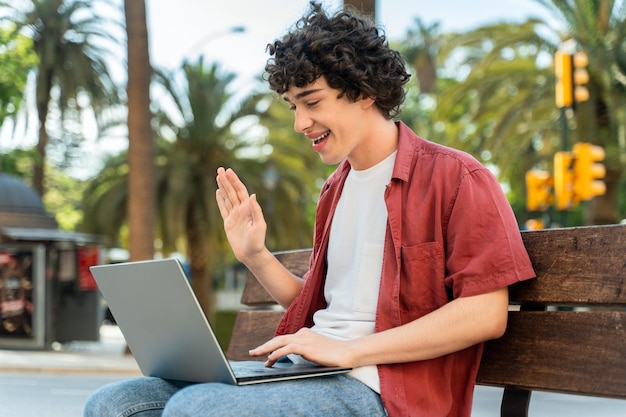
(47, 293)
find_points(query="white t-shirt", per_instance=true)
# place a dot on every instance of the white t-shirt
(355, 254)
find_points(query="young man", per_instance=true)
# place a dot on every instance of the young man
(415, 246)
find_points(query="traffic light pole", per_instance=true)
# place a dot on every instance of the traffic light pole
(564, 146)
(564, 130)
(576, 172)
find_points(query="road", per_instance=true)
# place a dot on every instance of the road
(48, 395)
(63, 395)
(543, 404)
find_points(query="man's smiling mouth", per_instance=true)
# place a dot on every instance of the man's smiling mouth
(321, 137)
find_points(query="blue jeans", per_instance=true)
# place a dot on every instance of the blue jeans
(336, 396)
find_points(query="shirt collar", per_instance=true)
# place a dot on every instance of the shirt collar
(407, 146)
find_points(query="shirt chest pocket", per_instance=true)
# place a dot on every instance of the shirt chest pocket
(422, 288)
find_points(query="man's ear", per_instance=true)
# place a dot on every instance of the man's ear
(367, 102)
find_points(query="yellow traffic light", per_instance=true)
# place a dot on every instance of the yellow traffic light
(587, 171)
(538, 190)
(564, 181)
(581, 77)
(564, 87)
(571, 76)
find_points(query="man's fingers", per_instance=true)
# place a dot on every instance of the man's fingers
(228, 194)
(234, 191)
(221, 204)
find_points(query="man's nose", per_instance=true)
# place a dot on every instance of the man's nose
(302, 121)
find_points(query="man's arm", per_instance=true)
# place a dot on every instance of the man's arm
(245, 229)
(457, 325)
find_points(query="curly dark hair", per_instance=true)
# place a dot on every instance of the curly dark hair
(348, 50)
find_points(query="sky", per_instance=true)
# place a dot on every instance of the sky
(185, 29)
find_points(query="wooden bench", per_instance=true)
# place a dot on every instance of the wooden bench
(566, 331)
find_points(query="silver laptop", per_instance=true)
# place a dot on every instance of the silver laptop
(168, 333)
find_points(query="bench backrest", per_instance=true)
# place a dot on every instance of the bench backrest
(566, 331)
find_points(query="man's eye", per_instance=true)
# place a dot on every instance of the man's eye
(312, 103)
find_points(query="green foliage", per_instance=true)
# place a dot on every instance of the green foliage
(19, 163)
(494, 97)
(64, 199)
(17, 59)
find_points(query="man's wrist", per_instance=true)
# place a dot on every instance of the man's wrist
(258, 260)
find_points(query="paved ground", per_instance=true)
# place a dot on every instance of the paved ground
(107, 355)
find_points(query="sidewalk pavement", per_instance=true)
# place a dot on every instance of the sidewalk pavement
(107, 355)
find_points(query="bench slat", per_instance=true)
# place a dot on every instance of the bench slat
(575, 266)
(252, 328)
(578, 352)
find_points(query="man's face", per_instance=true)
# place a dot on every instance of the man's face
(335, 126)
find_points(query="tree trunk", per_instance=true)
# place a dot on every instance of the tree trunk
(39, 165)
(141, 149)
(199, 258)
(44, 84)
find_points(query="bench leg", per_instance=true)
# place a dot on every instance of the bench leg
(515, 403)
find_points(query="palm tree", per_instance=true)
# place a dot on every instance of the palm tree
(204, 127)
(504, 109)
(421, 48)
(505, 102)
(69, 40)
(141, 173)
(201, 129)
(105, 202)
